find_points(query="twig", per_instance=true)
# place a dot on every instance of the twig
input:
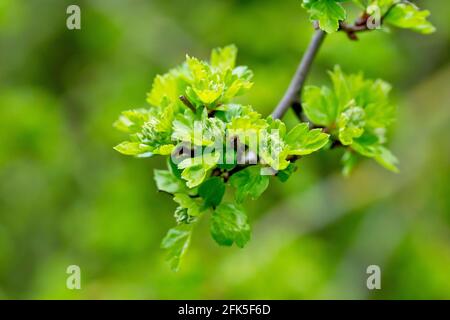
(292, 94)
(187, 103)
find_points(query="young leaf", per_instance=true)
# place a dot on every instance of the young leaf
(369, 146)
(327, 12)
(212, 191)
(409, 16)
(224, 58)
(195, 169)
(168, 88)
(387, 159)
(351, 124)
(320, 105)
(176, 243)
(192, 205)
(349, 161)
(194, 175)
(167, 182)
(199, 131)
(302, 141)
(285, 174)
(134, 149)
(229, 224)
(131, 121)
(249, 183)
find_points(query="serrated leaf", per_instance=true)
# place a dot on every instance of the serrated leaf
(369, 145)
(302, 141)
(206, 85)
(273, 150)
(327, 12)
(201, 130)
(192, 205)
(196, 169)
(229, 225)
(351, 124)
(168, 87)
(249, 183)
(409, 16)
(320, 105)
(224, 58)
(167, 182)
(212, 191)
(387, 159)
(176, 243)
(131, 121)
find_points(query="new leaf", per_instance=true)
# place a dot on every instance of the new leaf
(249, 183)
(176, 243)
(229, 225)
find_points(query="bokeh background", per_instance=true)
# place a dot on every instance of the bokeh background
(66, 197)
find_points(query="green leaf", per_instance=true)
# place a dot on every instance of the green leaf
(387, 159)
(192, 205)
(409, 16)
(194, 175)
(131, 121)
(349, 161)
(134, 149)
(156, 132)
(182, 217)
(302, 141)
(370, 146)
(167, 182)
(200, 130)
(249, 183)
(173, 167)
(327, 12)
(229, 225)
(351, 124)
(206, 85)
(320, 105)
(224, 58)
(168, 87)
(285, 174)
(176, 243)
(357, 112)
(212, 191)
(273, 150)
(196, 169)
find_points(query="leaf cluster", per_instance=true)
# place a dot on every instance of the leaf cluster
(210, 143)
(396, 13)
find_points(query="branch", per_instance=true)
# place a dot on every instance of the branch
(292, 95)
(351, 30)
(187, 103)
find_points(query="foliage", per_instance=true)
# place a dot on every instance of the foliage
(398, 13)
(357, 113)
(210, 141)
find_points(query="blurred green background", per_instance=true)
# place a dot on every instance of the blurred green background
(66, 197)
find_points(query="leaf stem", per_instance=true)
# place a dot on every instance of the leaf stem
(187, 103)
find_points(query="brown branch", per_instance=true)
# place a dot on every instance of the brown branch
(187, 103)
(293, 92)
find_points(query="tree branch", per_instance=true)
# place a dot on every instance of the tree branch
(292, 94)
(291, 97)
